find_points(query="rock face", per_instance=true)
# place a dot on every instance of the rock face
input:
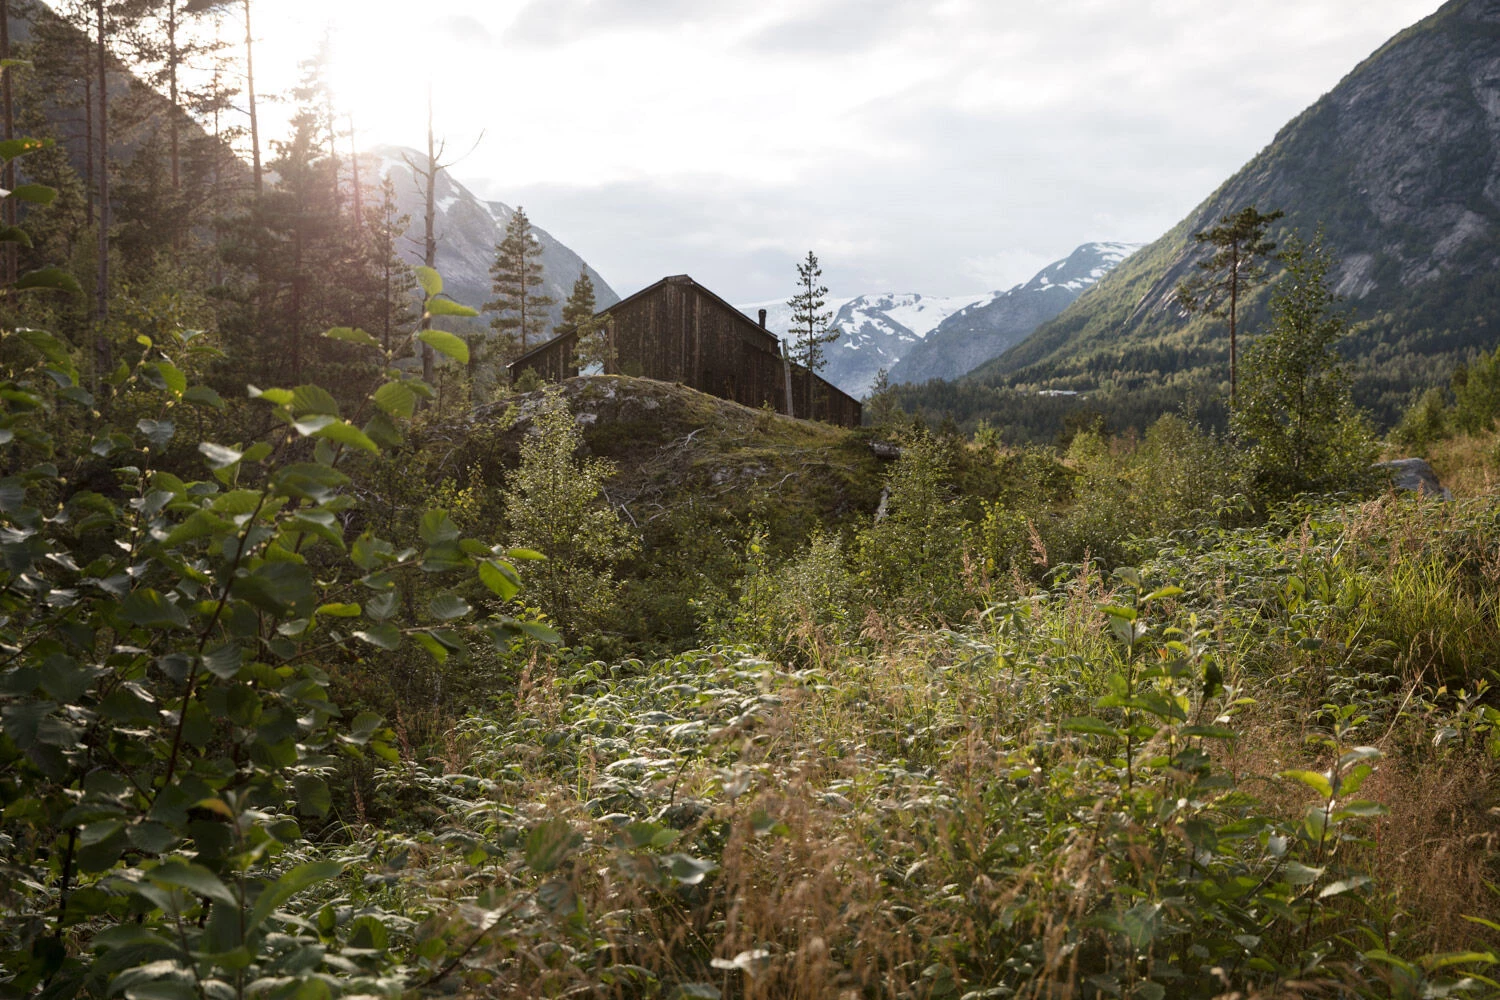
(468, 230)
(983, 330)
(1416, 476)
(1400, 164)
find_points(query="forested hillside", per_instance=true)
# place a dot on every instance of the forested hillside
(332, 665)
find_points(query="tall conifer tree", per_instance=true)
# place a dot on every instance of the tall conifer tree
(519, 304)
(1236, 265)
(810, 322)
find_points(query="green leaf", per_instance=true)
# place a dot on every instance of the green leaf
(430, 280)
(339, 610)
(342, 432)
(397, 399)
(384, 636)
(500, 577)
(312, 794)
(194, 878)
(1344, 885)
(447, 607)
(284, 888)
(202, 395)
(219, 457)
(351, 335)
(149, 609)
(1086, 724)
(446, 343)
(1162, 594)
(158, 432)
(276, 397)
(48, 346)
(437, 527)
(36, 194)
(549, 844)
(313, 399)
(447, 307)
(12, 148)
(1312, 779)
(435, 649)
(687, 869)
(539, 632)
(224, 661)
(15, 234)
(170, 377)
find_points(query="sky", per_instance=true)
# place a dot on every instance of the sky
(937, 146)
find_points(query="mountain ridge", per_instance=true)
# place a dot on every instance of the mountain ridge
(1398, 164)
(468, 229)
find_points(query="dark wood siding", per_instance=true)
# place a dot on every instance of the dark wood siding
(679, 331)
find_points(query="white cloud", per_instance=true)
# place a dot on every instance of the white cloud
(916, 144)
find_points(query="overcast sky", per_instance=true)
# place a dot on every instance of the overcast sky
(945, 146)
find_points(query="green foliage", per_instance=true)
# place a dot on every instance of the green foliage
(911, 558)
(520, 305)
(166, 732)
(809, 323)
(555, 504)
(1296, 417)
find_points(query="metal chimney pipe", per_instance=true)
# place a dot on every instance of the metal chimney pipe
(762, 319)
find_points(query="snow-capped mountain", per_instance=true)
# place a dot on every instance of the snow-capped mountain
(468, 230)
(982, 330)
(875, 331)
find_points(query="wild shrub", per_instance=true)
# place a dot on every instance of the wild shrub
(911, 559)
(797, 608)
(554, 504)
(1296, 419)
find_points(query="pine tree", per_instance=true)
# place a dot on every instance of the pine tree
(1297, 420)
(592, 351)
(580, 306)
(810, 322)
(1236, 265)
(519, 304)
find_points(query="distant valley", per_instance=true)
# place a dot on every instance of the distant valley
(917, 337)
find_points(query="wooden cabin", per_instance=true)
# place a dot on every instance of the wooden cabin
(678, 331)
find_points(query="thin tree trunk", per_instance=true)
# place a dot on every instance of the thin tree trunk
(88, 140)
(9, 126)
(172, 123)
(1234, 308)
(429, 243)
(359, 211)
(250, 94)
(102, 361)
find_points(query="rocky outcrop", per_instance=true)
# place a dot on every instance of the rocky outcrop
(1414, 475)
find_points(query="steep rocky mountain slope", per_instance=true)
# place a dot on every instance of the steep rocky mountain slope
(1400, 164)
(916, 337)
(468, 228)
(984, 329)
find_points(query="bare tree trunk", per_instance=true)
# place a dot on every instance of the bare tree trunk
(250, 95)
(1234, 308)
(172, 123)
(429, 219)
(88, 142)
(359, 211)
(102, 362)
(9, 125)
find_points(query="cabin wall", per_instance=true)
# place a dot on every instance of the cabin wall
(678, 332)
